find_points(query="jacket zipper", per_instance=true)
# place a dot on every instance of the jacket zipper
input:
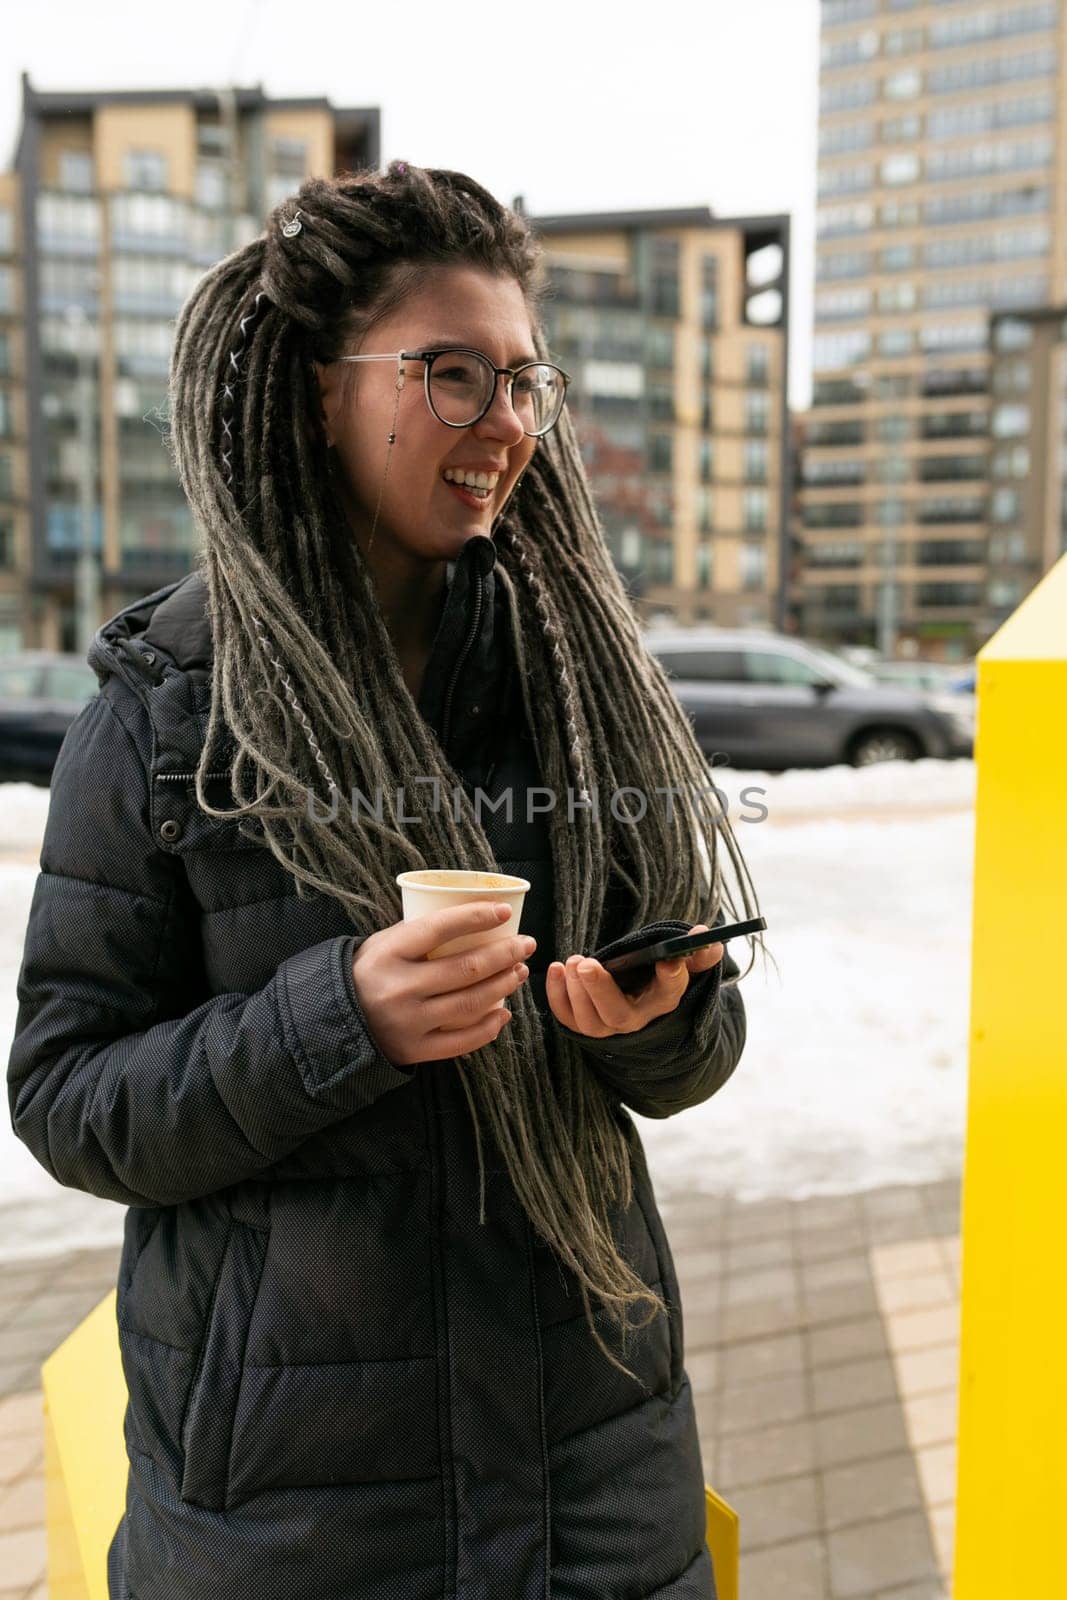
(464, 653)
(185, 777)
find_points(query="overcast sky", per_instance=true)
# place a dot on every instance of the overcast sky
(576, 106)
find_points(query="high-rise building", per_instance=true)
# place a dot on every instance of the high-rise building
(941, 199)
(673, 326)
(1028, 465)
(118, 203)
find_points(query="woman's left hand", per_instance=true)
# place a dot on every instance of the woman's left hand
(586, 998)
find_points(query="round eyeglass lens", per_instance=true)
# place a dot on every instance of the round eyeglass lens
(461, 385)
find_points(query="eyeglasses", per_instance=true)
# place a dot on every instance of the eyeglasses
(460, 385)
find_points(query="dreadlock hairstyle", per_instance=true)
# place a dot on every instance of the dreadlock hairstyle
(309, 689)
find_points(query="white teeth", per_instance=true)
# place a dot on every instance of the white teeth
(471, 480)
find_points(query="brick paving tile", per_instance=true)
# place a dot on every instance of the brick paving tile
(758, 1405)
(748, 1255)
(906, 1259)
(867, 1489)
(795, 1570)
(772, 1513)
(873, 1554)
(841, 1302)
(23, 1556)
(931, 1418)
(19, 1455)
(754, 1318)
(762, 1358)
(21, 1413)
(927, 1371)
(918, 1292)
(741, 1288)
(22, 1504)
(832, 1271)
(860, 1434)
(765, 1453)
(854, 1383)
(823, 1242)
(846, 1341)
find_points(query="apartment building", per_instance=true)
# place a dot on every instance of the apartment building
(673, 326)
(117, 204)
(1028, 460)
(941, 199)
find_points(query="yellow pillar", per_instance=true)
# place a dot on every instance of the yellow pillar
(1013, 1350)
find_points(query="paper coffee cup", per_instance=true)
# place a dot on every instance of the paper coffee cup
(433, 888)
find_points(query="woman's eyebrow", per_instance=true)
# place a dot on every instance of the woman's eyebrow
(461, 344)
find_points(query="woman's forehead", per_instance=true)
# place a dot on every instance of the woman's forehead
(466, 306)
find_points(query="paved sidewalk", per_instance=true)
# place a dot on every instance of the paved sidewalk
(821, 1340)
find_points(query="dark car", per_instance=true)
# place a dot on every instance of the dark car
(41, 693)
(769, 702)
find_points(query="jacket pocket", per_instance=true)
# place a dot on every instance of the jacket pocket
(207, 1428)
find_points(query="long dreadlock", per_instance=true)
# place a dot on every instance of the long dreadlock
(307, 684)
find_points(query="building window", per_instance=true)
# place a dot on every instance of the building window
(755, 510)
(659, 347)
(7, 478)
(758, 365)
(1012, 333)
(1005, 505)
(896, 342)
(904, 167)
(1010, 421)
(5, 354)
(663, 276)
(755, 461)
(704, 565)
(7, 290)
(897, 258)
(76, 171)
(707, 461)
(7, 543)
(211, 186)
(7, 231)
(753, 567)
(660, 452)
(289, 157)
(903, 85)
(705, 510)
(757, 411)
(843, 349)
(7, 415)
(145, 169)
(709, 293)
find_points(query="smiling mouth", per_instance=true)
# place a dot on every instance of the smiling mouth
(471, 495)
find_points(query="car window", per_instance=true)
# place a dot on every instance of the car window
(774, 666)
(70, 682)
(703, 666)
(20, 682)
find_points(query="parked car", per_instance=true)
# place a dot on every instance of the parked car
(41, 692)
(770, 702)
(938, 677)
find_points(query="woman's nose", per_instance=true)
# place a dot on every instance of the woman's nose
(501, 420)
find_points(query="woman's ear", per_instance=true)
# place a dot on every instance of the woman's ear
(326, 377)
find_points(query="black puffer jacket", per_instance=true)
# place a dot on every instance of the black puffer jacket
(341, 1386)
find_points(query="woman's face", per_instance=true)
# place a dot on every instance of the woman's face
(422, 515)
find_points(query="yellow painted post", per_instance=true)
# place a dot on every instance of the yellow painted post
(1012, 1474)
(85, 1454)
(724, 1542)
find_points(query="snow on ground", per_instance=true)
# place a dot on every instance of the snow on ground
(854, 1069)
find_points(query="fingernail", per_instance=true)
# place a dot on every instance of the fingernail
(587, 968)
(503, 911)
(672, 968)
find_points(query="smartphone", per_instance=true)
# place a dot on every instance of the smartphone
(633, 969)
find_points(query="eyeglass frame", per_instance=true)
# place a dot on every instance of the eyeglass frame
(428, 356)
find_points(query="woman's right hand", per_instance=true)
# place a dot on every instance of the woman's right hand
(420, 1010)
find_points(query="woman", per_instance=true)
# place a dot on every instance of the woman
(396, 1309)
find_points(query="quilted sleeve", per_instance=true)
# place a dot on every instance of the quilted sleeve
(115, 1084)
(682, 1058)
